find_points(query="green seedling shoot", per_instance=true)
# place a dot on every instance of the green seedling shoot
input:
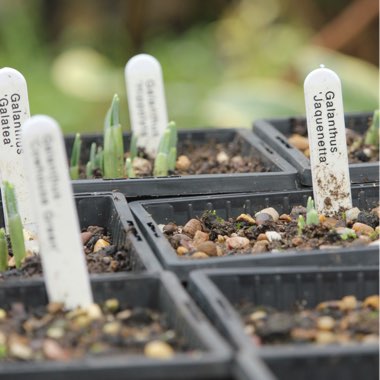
(113, 154)
(3, 251)
(133, 147)
(14, 224)
(372, 135)
(300, 224)
(311, 213)
(172, 155)
(91, 166)
(348, 235)
(161, 162)
(129, 168)
(75, 155)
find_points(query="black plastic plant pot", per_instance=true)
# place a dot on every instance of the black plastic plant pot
(218, 292)
(209, 357)
(275, 132)
(111, 212)
(280, 174)
(150, 213)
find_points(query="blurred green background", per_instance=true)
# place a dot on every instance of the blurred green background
(225, 62)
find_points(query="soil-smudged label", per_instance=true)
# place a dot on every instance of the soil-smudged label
(327, 141)
(61, 249)
(146, 100)
(14, 111)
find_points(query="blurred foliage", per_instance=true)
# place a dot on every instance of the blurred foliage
(246, 62)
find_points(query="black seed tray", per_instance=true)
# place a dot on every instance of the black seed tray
(111, 211)
(281, 177)
(150, 213)
(275, 133)
(217, 290)
(162, 292)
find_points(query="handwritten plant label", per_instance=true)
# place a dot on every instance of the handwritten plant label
(327, 141)
(14, 111)
(146, 100)
(61, 248)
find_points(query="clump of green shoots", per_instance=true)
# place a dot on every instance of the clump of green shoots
(132, 155)
(14, 224)
(372, 135)
(113, 154)
(167, 152)
(300, 224)
(311, 213)
(96, 160)
(3, 251)
(75, 156)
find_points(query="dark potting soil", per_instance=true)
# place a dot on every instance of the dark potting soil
(101, 257)
(358, 152)
(331, 322)
(267, 231)
(51, 333)
(208, 158)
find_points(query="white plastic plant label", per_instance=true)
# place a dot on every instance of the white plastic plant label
(146, 100)
(327, 141)
(61, 249)
(14, 111)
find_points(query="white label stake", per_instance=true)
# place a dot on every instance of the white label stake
(14, 111)
(61, 248)
(146, 100)
(327, 141)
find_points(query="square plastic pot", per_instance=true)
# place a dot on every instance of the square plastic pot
(111, 211)
(150, 213)
(282, 176)
(275, 132)
(216, 291)
(162, 292)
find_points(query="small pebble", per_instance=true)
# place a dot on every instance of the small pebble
(257, 315)
(299, 142)
(199, 255)
(237, 242)
(325, 323)
(348, 303)
(245, 218)
(325, 337)
(111, 328)
(200, 237)
(111, 305)
(371, 339)
(285, 217)
(221, 239)
(85, 236)
(263, 218)
(19, 348)
(262, 237)
(183, 163)
(125, 314)
(363, 229)
(376, 211)
(372, 302)
(208, 247)
(53, 351)
(94, 312)
(170, 228)
(237, 161)
(352, 214)
(260, 246)
(54, 307)
(192, 226)
(141, 166)
(296, 241)
(182, 251)
(100, 244)
(330, 222)
(158, 350)
(55, 332)
(300, 334)
(368, 218)
(222, 158)
(3, 314)
(273, 236)
(271, 211)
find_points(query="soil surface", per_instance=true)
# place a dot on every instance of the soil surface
(358, 152)
(50, 333)
(208, 158)
(101, 257)
(267, 231)
(331, 322)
